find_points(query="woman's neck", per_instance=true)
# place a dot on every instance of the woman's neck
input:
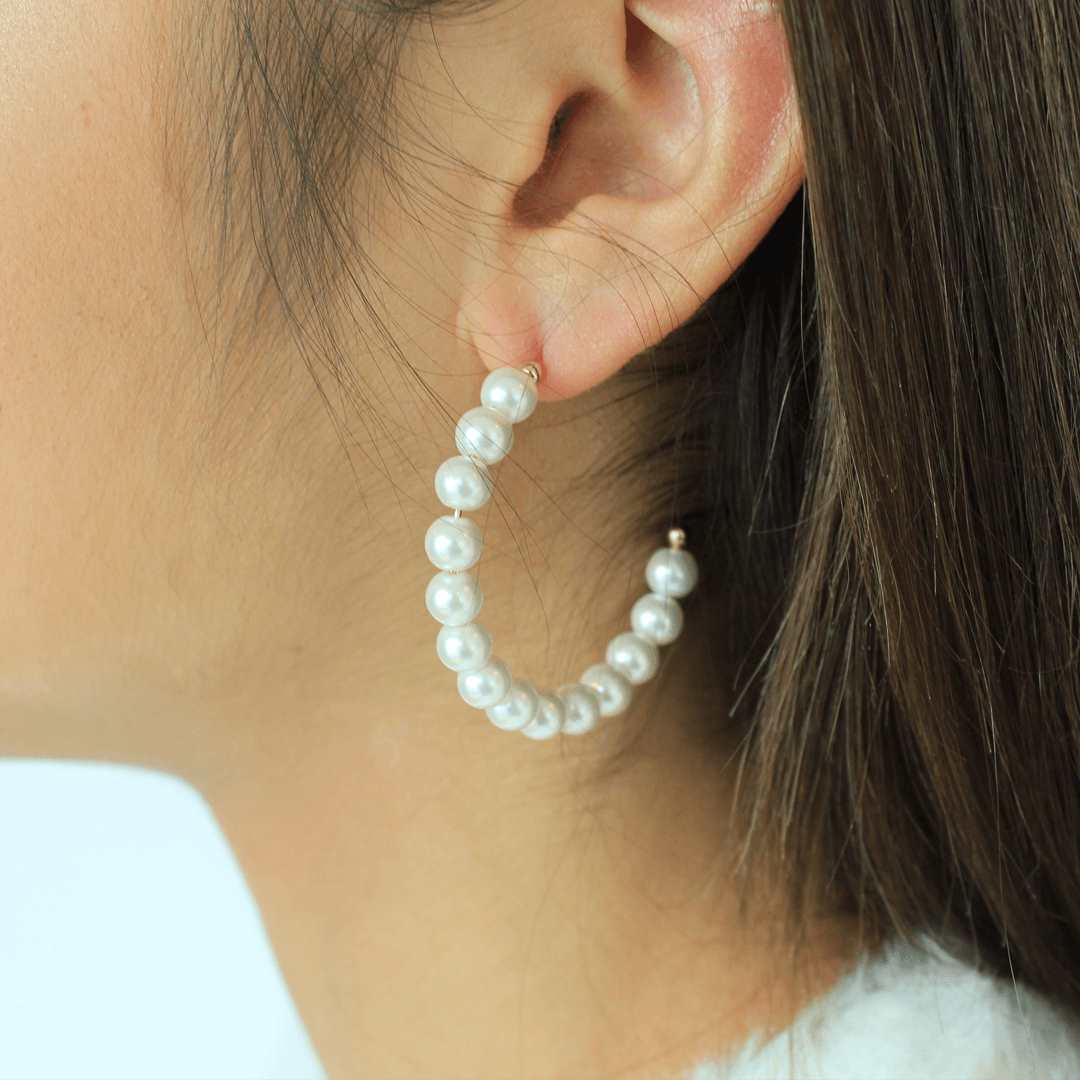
(448, 900)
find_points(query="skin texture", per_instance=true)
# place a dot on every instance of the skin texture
(196, 576)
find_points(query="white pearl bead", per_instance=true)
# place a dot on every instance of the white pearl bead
(454, 599)
(454, 543)
(658, 619)
(510, 393)
(582, 705)
(484, 434)
(464, 648)
(518, 709)
(635, 658)
(463, 484)
(672, 572)
(615, 692)
(548, 721)
(485, 687)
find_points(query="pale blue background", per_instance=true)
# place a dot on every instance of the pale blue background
(130, 946)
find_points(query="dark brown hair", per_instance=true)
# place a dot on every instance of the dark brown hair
(880, 408)
(914, 735)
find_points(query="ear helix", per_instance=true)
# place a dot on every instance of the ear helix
(454, 544)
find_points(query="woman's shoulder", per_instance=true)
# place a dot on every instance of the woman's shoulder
(912, 1010)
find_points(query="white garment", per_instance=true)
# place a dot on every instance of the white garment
(911, 1012)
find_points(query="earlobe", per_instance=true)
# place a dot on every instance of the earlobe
(671, 160)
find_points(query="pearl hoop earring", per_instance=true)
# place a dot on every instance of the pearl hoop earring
(454, 544)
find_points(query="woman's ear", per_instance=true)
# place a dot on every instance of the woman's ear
(636, 153)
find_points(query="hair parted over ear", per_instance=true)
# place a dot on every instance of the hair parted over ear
(645, 149)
